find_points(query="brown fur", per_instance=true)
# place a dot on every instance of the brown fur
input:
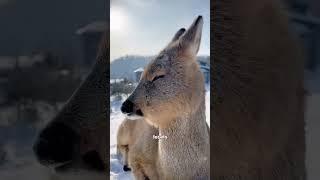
(258, 103)
(138, 148)
(175, 103)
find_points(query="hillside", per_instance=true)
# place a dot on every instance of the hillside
(123, 67)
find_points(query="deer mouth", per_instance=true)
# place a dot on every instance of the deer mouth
(62, 167)
(138, 114)
(90, 161)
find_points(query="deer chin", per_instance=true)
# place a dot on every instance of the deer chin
(63, 167)
(72, 170)
(138, 114)
(89, 162)
(133, 117)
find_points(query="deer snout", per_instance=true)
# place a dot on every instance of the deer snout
(126, 168)
(55, 144)
(129, 108)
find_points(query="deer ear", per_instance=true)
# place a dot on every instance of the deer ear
(178, 34)
(191, 39)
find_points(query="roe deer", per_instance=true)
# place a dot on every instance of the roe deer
(258, 101)
(171, 97)
(138, 148)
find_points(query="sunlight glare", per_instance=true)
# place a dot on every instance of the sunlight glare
(117, 20)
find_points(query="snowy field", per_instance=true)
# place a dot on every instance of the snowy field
(116, 117)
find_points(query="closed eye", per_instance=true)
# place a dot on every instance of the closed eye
(157, 77)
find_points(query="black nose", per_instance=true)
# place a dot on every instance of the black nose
(126, 168)
(127, 107)
(55, 144)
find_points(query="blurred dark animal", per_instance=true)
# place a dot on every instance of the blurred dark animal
(258, 96)
(76, 138)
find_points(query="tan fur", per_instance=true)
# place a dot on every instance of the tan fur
(138, 148)
(258, 103)
(126, 137)
(175, 103)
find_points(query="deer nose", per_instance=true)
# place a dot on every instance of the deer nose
(55, 144)
(126, 168)
(127, 107)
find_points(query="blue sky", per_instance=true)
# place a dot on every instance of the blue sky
(144, 27)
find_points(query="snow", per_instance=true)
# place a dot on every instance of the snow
(116, 80)
(116, 117)
(140, 69)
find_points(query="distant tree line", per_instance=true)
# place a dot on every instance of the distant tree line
(121, 87)
(49, 80)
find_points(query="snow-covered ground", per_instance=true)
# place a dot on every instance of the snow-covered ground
(116, 117)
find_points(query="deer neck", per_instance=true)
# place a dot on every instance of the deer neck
(89, 100)
(187, 142)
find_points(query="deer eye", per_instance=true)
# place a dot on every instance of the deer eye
(157, 77)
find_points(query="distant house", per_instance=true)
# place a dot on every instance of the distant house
(91, 36)
(138, 72)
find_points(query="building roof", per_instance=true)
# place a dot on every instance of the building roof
(97, 26)
(140, 69)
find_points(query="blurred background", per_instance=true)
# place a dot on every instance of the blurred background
(46, 50)
(48, 47)
(305, 20)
